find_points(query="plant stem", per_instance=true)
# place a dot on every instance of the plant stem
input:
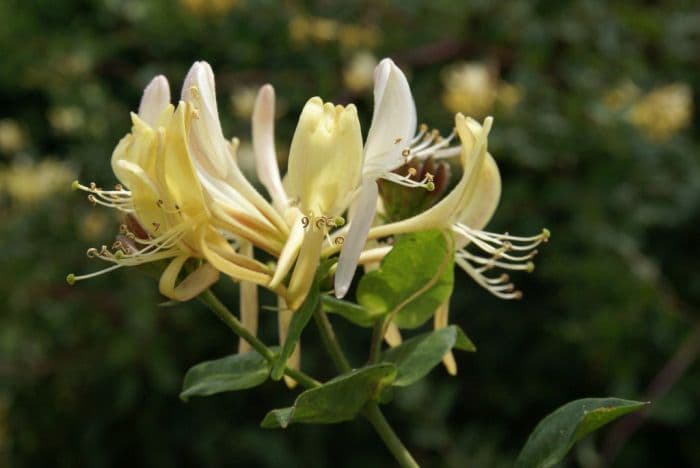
(330, 341)
(371, 410)
(376, 418)
(376, 344)
(226, 316)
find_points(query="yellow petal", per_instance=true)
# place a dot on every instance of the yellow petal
(325, 158)
(284, 317)
(440, 321)
(305, 268)
(193, 284)
(248, 303)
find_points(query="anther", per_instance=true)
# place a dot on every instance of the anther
(92, 252)
(340, 240)
(156, 225)
(397, 141)
(423, 127)
(412, 171)
(119, 187)
(406, 152)
(93, 186)
(91, 198)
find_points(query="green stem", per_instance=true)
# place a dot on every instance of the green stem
(371, 410)
(391, 440)
(330, 341)
(226, 316)
(376, 344)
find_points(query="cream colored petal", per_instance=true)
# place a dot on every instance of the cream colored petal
(263, 125)
(446, 212)
(284, 317)
(440, 320)
(156, 97)
(483, 203)
(194, 284)
(393, 121)
(289, 252)
(248, 303)
(356, 238)
(176, 171)
(325, 158)
(305, 268)
(226, 266)
(208, 140)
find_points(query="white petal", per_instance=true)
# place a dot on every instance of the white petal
(487, 193)
(264, 146)
(356, 238)
(207, 137)
(393, 120)
(155, 98)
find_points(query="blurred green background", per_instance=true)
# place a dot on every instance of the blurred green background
(596, 138)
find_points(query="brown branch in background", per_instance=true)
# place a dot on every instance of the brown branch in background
(667, 377)
(671, 372)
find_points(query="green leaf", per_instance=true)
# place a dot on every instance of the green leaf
(355, 313)
(234, 372)
(559, 431)
(296, 326)
(337, 400)
(414, 279)
(415, 357)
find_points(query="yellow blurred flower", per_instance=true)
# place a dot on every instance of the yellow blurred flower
(27, 182)
(243, 101)
(66, 119)
(508, 96)
(358, 74)
(305, 30)
(621, 96)
(664, 111)
(12, 137)
(209, 7)
(474, 89)
(355, 36)
(93, 225)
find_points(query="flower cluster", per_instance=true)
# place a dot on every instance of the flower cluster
(186, 201)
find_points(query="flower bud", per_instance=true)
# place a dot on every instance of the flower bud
(325, 158)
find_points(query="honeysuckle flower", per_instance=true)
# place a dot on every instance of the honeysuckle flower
(467, 209)
(390, 143)
(168, 212)
(325, 164)
(235, 204)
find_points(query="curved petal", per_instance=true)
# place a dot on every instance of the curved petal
(155, 98)
(356, 238)
(483, 203)
(440, 320)
(263, 124)
(393, 120)
(248, 303)
(192, 285)
(445, 212)
(207, 136)
(289, 253)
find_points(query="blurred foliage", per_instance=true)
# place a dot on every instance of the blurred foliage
(596, 139)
